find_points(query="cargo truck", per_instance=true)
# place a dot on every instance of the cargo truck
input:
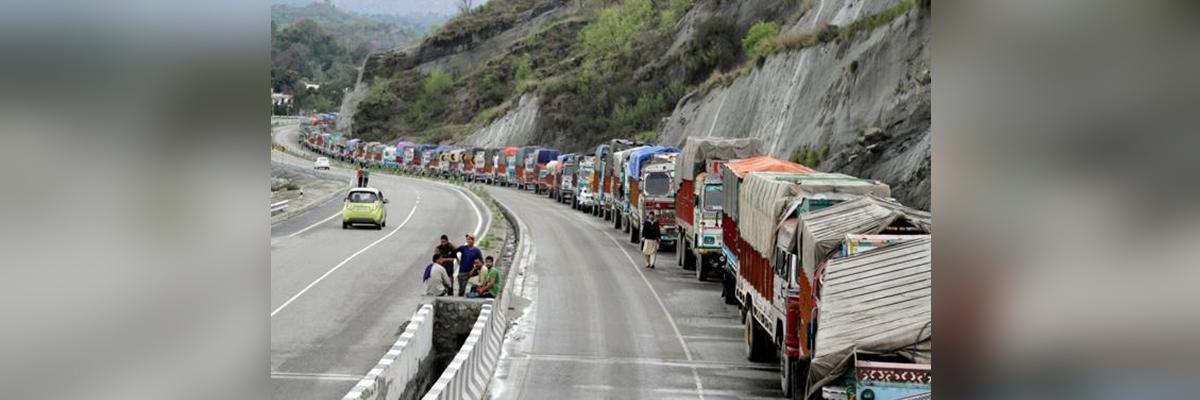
(566, 181)
(585, 187)
(874, 343)
(649, 173)
(523, 161)
(551, 173)
(618, 201)
(699, 197)
(775, 298)
(505, 166)
(597, 177)
(607, 175)
(535, 169)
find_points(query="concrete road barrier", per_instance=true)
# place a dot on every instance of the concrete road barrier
(470, 372)
(401, 363)
(279, 206)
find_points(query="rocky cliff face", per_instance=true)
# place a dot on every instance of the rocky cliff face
(861, 106)
(516, 128)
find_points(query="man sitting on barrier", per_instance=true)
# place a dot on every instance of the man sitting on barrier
(489, 284)
(437, 282)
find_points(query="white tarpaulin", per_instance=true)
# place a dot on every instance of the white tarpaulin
(696, 151)
(823, 231)
(874, 302)
(764, 196)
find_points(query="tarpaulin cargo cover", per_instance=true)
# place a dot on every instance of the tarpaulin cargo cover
(763, 196)
(733, 171)
(697, 150)
(823, 231)
(874, 302)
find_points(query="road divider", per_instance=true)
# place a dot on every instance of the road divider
(279, 206)
(470, 372)
(390, 377)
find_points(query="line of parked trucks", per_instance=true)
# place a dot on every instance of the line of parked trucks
(832, 277)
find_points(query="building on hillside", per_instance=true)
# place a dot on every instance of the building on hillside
(280, 99)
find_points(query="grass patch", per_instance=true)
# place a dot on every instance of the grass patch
(810, 156)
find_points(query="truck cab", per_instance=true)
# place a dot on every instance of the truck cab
(654, 194)
(701, 234)
(567, 179)
(584, 193)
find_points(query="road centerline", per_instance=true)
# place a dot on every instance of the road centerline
(351, 257)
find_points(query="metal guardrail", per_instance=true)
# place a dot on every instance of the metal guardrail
(470, 372)
(279, 206)
(401, 363)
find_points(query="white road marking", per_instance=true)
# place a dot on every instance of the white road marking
(339, 213)
(339, 265)
(320, 377)
(686, 352)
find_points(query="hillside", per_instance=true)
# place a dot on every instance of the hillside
(352, 29)
(838, 85)
(320, 44)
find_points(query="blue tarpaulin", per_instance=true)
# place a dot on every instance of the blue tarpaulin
(546, 155)
(639, 157)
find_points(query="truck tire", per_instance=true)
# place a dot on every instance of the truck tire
(787, 372)
(633, 233)
(680, 256)
(753, 338)
(689, 259)
(700, 270)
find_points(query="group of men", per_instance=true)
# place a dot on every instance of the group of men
(477, 275)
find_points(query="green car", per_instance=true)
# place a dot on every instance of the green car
(364, 206)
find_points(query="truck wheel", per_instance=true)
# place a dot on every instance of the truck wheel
(787, 372)
(755, 346)
(681, 255)
(700, 270)
(633, 234)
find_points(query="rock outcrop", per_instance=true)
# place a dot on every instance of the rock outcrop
(859, 106)
(516, 128)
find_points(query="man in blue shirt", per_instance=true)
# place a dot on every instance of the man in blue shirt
(467, 254)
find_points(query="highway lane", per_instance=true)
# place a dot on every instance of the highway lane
(338, 296)
(603, 327)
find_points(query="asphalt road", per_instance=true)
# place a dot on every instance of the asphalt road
(338, 296)
(603, 327)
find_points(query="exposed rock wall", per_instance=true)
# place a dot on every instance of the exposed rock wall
(863, 103)
(516, 128)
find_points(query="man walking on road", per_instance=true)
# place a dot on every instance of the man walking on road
(366, 172)
(650, 236)
(468, 254)
(437, 283)
(358, 173)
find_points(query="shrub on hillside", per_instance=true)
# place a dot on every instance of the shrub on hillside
(713, 47)
(760, 39)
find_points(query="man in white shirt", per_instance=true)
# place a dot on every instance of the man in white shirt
(436, 279)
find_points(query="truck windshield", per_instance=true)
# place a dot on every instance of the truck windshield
(714, 197)
(658, 184)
